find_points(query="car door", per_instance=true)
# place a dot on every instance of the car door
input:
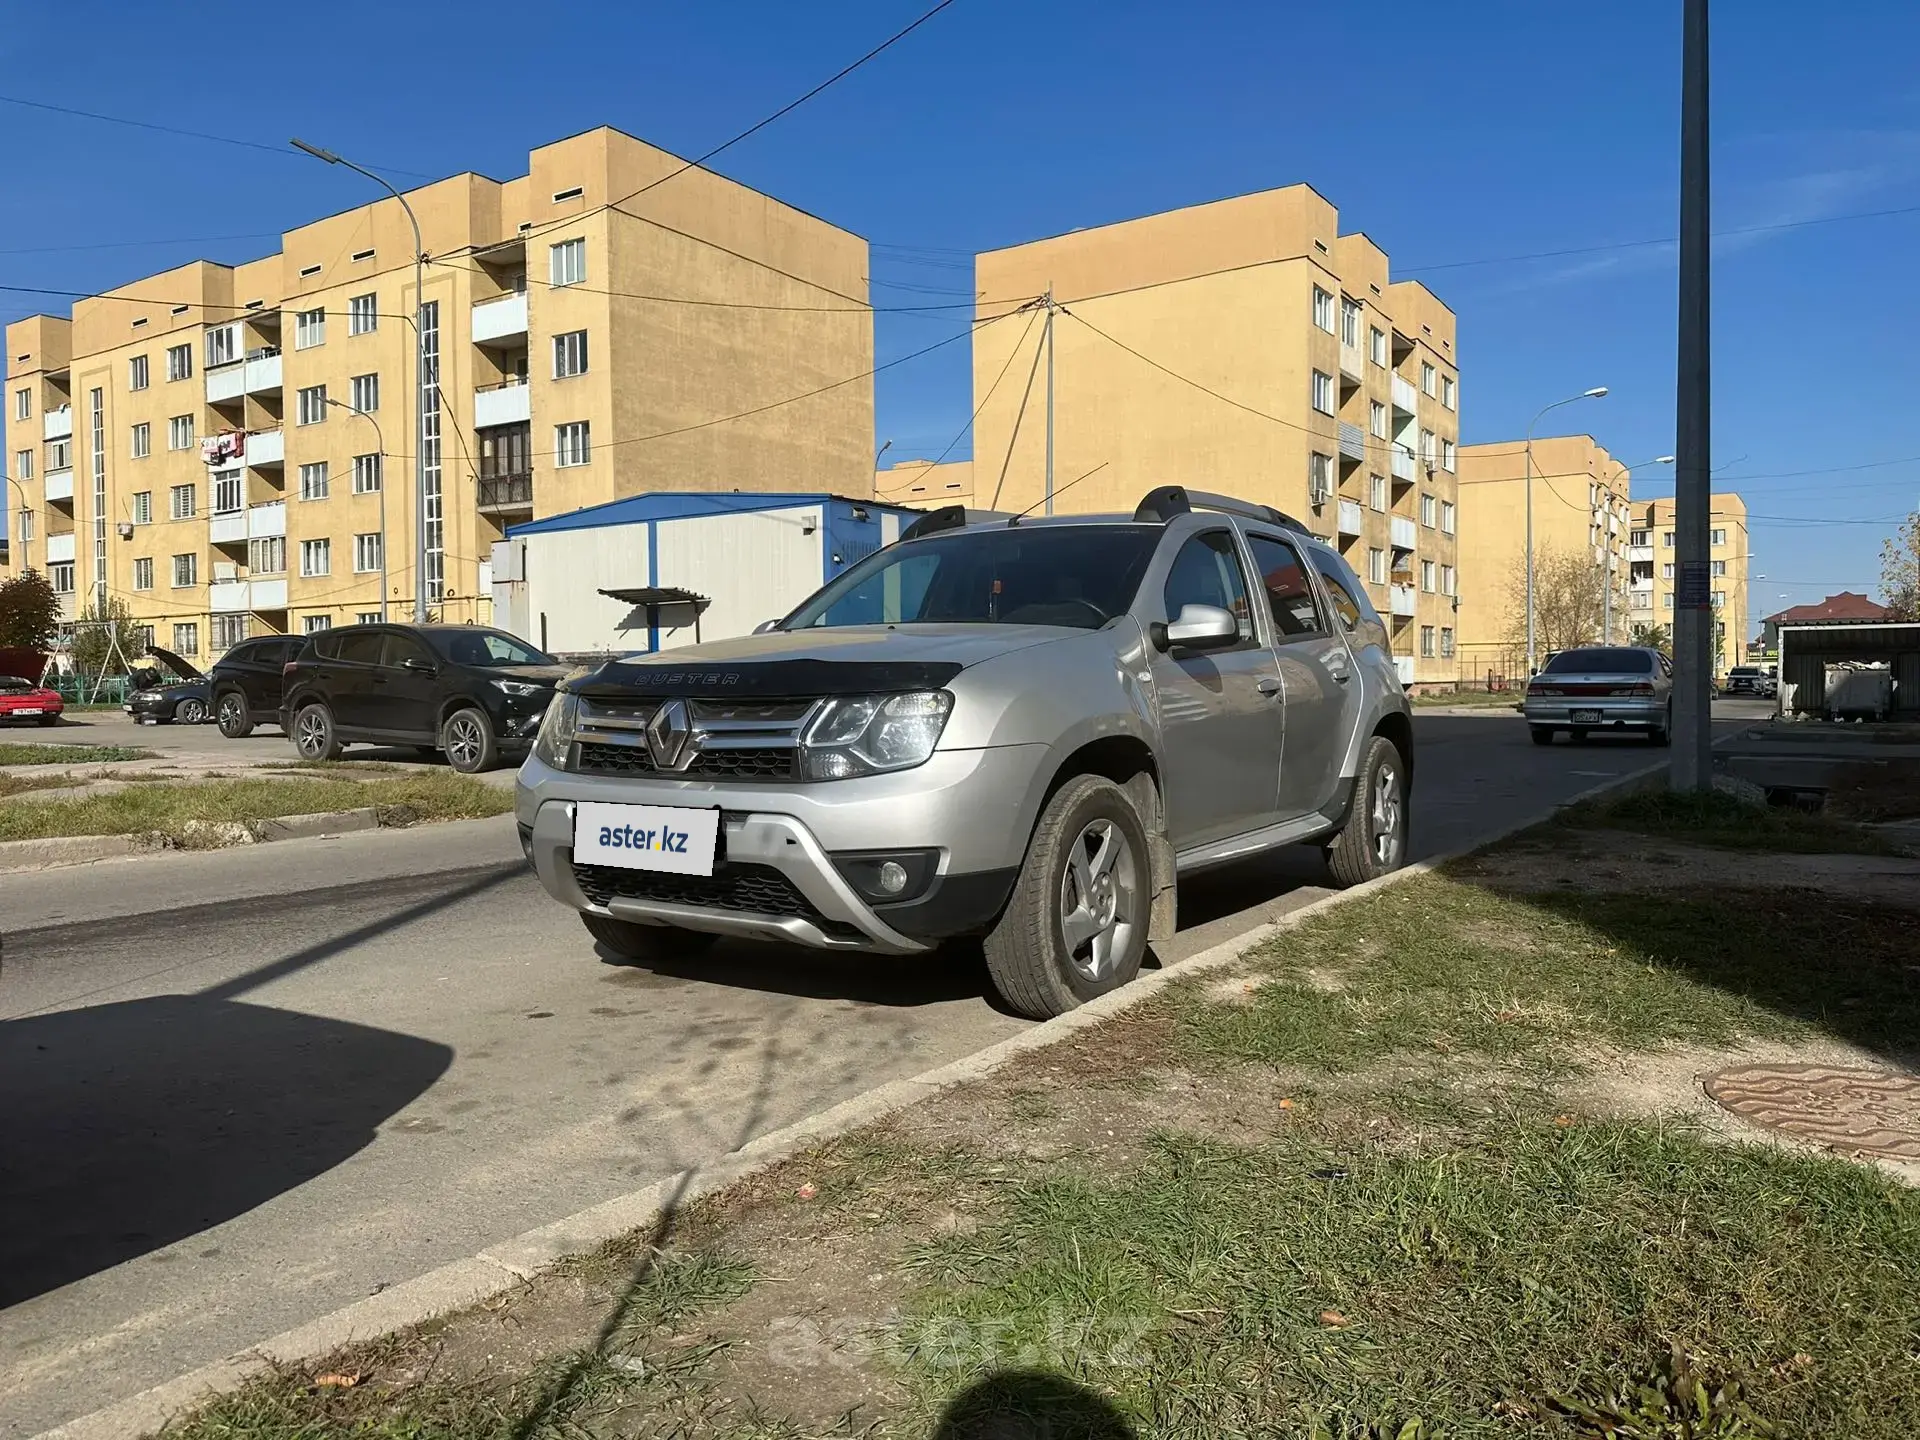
(261, 676)
(352, 658)
(1219, 710)
(406, 689)
(1319, 691)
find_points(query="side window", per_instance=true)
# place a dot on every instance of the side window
(402, 648)
(359, 647)
(325, 647)
(1346, 605)
(1207, 572)
(1289, 591)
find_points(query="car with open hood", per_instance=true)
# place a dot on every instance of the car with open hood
(179, 693)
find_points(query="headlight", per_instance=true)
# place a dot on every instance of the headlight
(869, 734)
(517, 687)
(557, 728)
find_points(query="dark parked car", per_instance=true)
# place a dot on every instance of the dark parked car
(464, 689)
(159, 699)
(247, 683)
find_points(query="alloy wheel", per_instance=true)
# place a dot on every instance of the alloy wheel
(311, 740)
(192, 712)
(230, 710)
(1097, 893)
(465, 743)
(1384, 820)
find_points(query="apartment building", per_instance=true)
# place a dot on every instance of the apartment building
(1244, 346)
(1580, 509)
(231, 449)
(1652, 570)
(925, 484)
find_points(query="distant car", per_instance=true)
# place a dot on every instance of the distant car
(1749, 680)
(463, 689)
(158, 700)
(23, 699)
(1602, 687)
(247, 683)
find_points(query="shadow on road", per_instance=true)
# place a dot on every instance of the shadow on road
(1030, 1405)
(129, 1126)
(954, 972)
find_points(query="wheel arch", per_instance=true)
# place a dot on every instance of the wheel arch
(1397, 728)
(1129, 762)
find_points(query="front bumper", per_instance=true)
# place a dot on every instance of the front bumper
(778, 879)
(1612, 713)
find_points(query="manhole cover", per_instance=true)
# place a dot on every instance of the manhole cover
(1868, 1112)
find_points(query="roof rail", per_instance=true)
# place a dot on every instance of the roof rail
(947, 517)
(1167, 501)
(1162, 504)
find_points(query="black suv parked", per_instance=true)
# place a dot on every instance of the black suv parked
(464, 689)
(246, 683)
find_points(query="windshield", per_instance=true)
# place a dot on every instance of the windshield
(1080, 576)
(486, 647)
(1600, 662)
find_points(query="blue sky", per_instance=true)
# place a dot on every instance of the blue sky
(1450, 134)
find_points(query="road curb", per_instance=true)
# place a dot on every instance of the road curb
(46, 854)
(512, 1262)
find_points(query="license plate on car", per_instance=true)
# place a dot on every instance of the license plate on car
(646, 837)
(1586, 717)
(23, 710)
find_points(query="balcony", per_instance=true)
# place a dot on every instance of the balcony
(58, 424)
(1641, 554)
(266, 447)
(67, 608)
(501, 319)
(1353, 363)
(59, 548)
(227, 597)
(507, 493)
(1404, 465)
(255, 375)
(267, 594)
(266, 520)
(1406, 399)
(60, 484)
(1350, 517)
(1402, 601)
(508, 403)
(1353, 442)
(1403, 532)
(227, 527)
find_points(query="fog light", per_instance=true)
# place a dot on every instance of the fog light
(892, 877)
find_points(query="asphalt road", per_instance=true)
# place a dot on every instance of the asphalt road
(374, 1055)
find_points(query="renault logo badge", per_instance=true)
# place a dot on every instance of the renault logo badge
(667, 734)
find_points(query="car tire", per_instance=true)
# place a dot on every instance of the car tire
(1542, 734)
(230, 712)
(314, 737)
(1664, 735)
(1373, 842)
(633, 941)
(1076, 925)
(467, 737)
(190, 712)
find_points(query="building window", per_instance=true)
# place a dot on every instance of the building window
(313, 480)
(228, 631)
(1448, 398)
(1426, 641)
(314, 624)
(1666, 572)
(137, 373)
(1640, 537)
(1719, 568)
(182, 502)
(367, 617)
(1666, 602)
(1666, 539)
(267, 556)
(569, 354)
(1377, 566)
(316, 557)
(1429, 378)
(180, 432)
(1447, 514)
(311, 405)
(1428, 451)
(1377, 346)
(23, 464)
(1377, 491)
(571, 444)
(1427, 511)
(567, 262)
(363, 315)
(1350, 322)
(366, 474)
(23, 404)
(143, 507)
(60, 576)
(1717, 537)
(186, 639)
(26, 526)
(1323, 392)
(227, 498)
(1426, 576)
(223, 345)
(1319, 477)
(59, 454)
(1446, 580)
(1323, 309)
(366, 393)
(179, 362)
(142, 440)
(186, 570)
(1377, 419)
(1446, 454)
(1446, 641)
(309, 329)
(143, 573)
(1719, 598)
(366, 553)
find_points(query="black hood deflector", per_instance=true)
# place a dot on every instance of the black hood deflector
(796, 679)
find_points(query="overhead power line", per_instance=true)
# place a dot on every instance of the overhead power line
(1012, 355)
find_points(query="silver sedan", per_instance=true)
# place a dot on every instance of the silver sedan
(1600, 688)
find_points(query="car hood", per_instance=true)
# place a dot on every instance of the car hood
(174, 663)
(174, 690)
(849, 660)
(532, 674)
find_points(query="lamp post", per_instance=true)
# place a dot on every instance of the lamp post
(1606, 604)
(24, 509)
(1595, 393)
(419, 394)
(380, 441)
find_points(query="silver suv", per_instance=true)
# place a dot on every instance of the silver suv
(1024, 730)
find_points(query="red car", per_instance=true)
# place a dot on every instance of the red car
(24, 700)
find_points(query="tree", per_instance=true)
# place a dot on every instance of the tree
(29, 612)
(1654, 637)
(1569, 600)
(1900, 570)
(106, 641)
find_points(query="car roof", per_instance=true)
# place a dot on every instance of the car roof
(1127, 522)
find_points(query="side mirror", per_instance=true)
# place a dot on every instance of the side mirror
(423, 667)
(765, 626)
(1198, 627)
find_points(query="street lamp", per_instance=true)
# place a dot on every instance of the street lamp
(25, 508)
(419, 393)
(1606, 602)
(1594, 394)
(379, 440)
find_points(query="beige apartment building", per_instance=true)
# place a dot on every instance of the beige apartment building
(1580, 509)
(1243, 346)
(1653, 567)
(231, 449)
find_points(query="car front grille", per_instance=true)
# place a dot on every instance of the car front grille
(741, 889)
(772, 762)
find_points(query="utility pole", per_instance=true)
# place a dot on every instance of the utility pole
(1693, 613)
(1598, 392)
(1049, 339)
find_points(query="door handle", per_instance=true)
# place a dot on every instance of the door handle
(1268, 687)
(1340, 675)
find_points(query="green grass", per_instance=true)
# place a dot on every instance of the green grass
(31, 754)
(166, 808)
(1725, 822)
